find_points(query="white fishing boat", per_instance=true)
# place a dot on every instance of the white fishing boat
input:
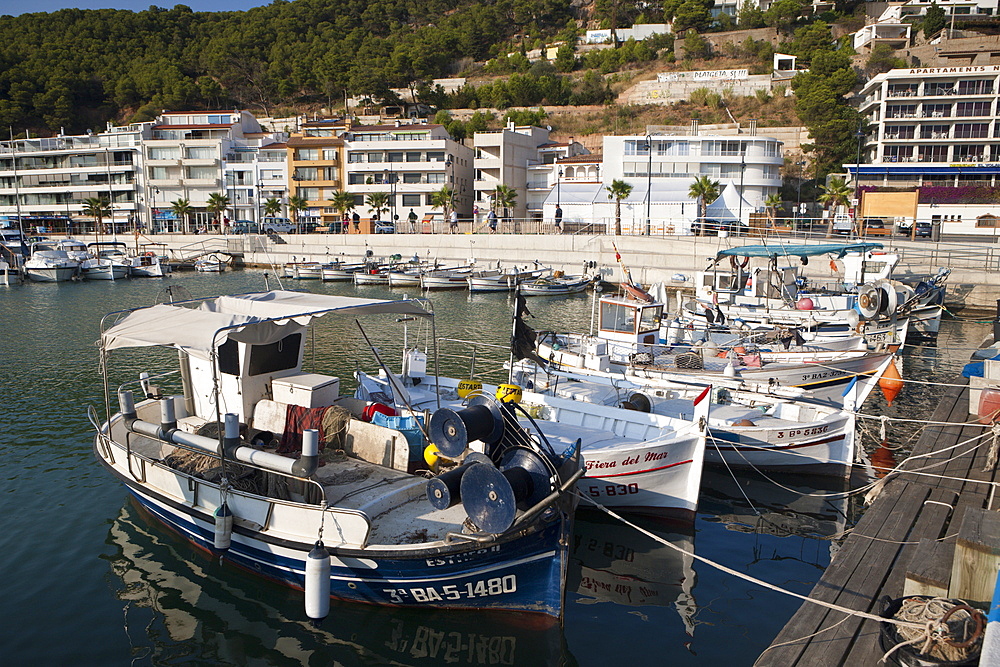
(640, 461)
(865, 299)
(338, 271)
(556, 284)
(374, 273)
(210, 264)
(450, 278)
(49, 263)
(308, 271)
(222, 451)
(161, 252)
(502, 280)
(146, 265)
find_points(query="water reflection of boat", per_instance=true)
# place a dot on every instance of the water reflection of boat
(179, 599)
(613, 562)
(781, 504)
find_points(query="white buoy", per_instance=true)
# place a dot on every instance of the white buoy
(318, 582)
(223, 527)
(729, 371)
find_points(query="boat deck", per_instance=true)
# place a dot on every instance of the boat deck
(874, 558)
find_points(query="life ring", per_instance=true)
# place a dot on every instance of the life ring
(736, 264)
(637, 292)
(149, 254)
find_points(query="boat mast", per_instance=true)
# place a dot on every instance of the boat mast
(17, 190)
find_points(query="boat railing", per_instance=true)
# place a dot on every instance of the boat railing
(475, 355)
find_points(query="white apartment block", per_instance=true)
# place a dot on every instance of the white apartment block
(254, 173)
(185, 158)
(931, 126)
(898, 10)
(410, 162)
(45, 181)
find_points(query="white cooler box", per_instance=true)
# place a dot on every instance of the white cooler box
(309, 390)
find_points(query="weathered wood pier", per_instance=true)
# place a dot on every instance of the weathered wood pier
(908, 538)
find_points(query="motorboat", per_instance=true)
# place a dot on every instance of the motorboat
(107, 260)
(638, 461)
(160, 251)
(50, 263)
(556, 284)
(227, 450)
(146, 265)
(210, 264)
(865, 299)
(374, 273)
(338, 271)
(13, 252)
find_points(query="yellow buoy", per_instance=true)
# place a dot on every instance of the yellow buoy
(431, 456)
(466, 387)
(509, 393)
(890, 383)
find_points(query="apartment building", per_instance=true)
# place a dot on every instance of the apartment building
(931, 126)
(315, 162)
(409, 162)
(187, 155)
(45, 181)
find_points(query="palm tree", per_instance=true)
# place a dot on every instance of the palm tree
(297, 203)
(772, 203)
(835, 194)
(617, 191)
(97, 207)
(378, 202)
(705, 190)
(182, 209)
(442, 200)
(272, 207)
(342, 203)
(505, 197)
(217, 203)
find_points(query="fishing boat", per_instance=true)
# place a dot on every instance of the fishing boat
(449, 278)
(210, 264)
(227, 451)
(338, 271)
(50, 263)
(556, 284)
(865, 299)
(373, 273)
(639, 461)
(308, 271)
(502, 280)
(160, 251)
(146, 265)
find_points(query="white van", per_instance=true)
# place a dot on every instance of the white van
(278, 226)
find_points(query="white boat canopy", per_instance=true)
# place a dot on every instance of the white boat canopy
(257, 319)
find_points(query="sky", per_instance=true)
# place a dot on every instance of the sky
(15, 7)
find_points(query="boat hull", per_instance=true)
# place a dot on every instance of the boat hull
(51, 274)
(522, 572)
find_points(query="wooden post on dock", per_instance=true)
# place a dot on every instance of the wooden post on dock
(977, 556)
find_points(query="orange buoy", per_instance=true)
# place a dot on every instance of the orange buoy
(891, 382)
(833, 265)
(883, 460)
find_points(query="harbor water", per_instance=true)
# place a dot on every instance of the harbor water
(90, 579)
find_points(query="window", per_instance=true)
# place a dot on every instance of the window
(411, 200)
(355, 158)
(673, 148)
(435, 178)
(972, 109)
(219, 120)
(899, 132)
(355, 178)
(728, 148)
(987, 221)
(164, 153)
(307, 154)
(633, 147)
(975, 87)
(202, 173)
(395, 157)
(937, 111)
(771, 171)
(972, 130)
(330, 154)
(617, 317)
(275, 357)
(649, 319)
(158, 173)
(411, 178)
(901, 111)
(374, 157)
(934, 132)
(306, 173)
(359, 200)
(974, 153)
(200, 153)
(435, 156)
(932, 154)
(413, 156)
(309, 194)
(939, 88)
(898, 153)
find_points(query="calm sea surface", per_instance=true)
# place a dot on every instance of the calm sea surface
(90, 580)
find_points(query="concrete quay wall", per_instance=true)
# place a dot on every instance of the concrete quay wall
(974, 285)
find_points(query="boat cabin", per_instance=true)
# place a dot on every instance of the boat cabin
(625, 320)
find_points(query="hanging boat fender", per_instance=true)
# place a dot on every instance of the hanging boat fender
(317, 588)
(223, 527)
(891, 382)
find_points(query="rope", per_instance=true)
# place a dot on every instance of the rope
(747, 577)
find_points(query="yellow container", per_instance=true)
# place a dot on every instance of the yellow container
(509, 393)
(466, 387)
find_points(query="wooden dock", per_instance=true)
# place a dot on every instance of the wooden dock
(874, 558)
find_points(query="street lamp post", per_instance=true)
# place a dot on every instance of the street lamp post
(857, 178)
(649, 180)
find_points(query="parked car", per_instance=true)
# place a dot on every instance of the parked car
(710, 227)
(278, 226)
(875, 227)
(384, 227)
(245, 227)
(924, 229)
